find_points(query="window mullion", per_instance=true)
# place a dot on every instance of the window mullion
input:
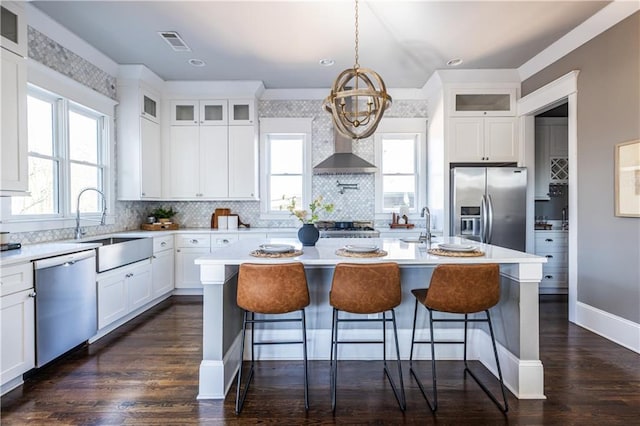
(64, 184)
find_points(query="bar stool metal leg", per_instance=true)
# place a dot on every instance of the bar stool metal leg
(504, 407)
(304, 355)
(241, 395)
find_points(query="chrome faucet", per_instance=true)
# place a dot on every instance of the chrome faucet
(79, 231)
(426, 213)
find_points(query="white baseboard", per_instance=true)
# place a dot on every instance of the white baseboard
(619, 330)
(188, 291)
(216, 377)
(11, 384)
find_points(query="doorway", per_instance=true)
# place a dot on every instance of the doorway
(560, 91)
(552, 197)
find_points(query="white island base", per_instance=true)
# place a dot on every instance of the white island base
(515, 318)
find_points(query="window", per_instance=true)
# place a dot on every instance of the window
(400, 155)
(286, 164)
(399, 177)
(67, 145)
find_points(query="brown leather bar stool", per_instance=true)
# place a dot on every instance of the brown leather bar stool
(271, 289)
(459, 289)
(366, 289)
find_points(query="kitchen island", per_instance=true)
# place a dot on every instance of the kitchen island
(515, 318)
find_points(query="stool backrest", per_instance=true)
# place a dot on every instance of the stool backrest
(272, 288)
(366, 288)
(464, 288)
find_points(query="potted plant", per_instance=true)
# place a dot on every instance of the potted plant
(163, 215)
(309, 234)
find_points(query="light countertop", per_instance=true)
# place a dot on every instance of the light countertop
(324, 252)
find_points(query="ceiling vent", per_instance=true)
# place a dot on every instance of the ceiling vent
(175, 41)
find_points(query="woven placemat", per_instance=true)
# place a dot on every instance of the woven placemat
(440, 252)
(262, 253)
(346, 253)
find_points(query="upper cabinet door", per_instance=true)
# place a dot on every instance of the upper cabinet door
(13, 125)
(213, 113)
(184, 113)
(13, 28)
(150, 106)
(483, 102)
(241, 112)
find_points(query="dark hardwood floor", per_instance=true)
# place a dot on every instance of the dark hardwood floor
(146, 372)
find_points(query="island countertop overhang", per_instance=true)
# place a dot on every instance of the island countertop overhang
(406, 254)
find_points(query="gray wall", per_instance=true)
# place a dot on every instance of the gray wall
(608, 113)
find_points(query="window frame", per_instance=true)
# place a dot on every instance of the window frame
(402, 127)
(284, 126)
(76, 96)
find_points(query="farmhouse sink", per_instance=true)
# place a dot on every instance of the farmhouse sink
(118, 251)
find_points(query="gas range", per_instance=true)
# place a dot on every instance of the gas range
(347, 229)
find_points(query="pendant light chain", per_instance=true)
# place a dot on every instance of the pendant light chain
(356, 65)
(358, 97)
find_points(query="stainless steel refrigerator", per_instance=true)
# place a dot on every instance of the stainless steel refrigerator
(488, 204)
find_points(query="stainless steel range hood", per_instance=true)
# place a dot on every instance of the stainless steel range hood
(343, 160)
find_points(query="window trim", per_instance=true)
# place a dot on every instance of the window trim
(49, 80)
(284, 125)
(402, 126)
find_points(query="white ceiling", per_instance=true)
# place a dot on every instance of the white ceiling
(281, 42)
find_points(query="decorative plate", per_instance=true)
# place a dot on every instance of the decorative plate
(360, 248)
(411, 240)
(276, 248)
(456, 247)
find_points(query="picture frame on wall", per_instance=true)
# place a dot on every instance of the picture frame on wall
(627, 179)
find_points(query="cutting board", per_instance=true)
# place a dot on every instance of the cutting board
(217, 213)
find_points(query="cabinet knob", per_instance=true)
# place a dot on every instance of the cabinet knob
(129, 275)
(194, 241)
(549, 256)
(548, 277)
(162, 244)
(549, 240)
(144, 194)
(225, 241)
(154, 257)
(32, 294)
(485, 113)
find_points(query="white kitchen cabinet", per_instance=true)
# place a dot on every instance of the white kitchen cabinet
(17, 320)
(150, 105)
(482, 102)
(199, 162)
(188, 248)
(242, 112)
(243, 162)
(221, 240)
(162, 266)
(122, 290)
(478, 139)
(13, 31)
(199, 112)
(553, 245)
(139, 142)
(13, 125)
(211, 162)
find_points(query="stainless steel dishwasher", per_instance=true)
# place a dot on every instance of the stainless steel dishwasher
(66, 303)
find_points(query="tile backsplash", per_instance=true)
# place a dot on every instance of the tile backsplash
(352, 204)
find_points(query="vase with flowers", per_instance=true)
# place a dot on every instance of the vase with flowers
(308, 234)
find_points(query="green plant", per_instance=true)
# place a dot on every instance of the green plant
(315, 207)
(162, 213)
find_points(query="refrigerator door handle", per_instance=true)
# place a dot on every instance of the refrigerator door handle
(483, 219)
(489, 219)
